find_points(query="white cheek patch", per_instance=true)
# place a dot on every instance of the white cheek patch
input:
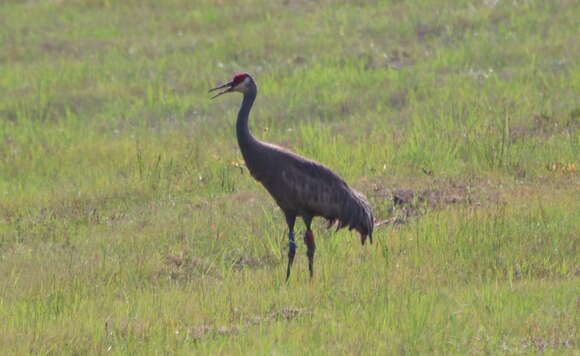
(246, 82)
(243, 84)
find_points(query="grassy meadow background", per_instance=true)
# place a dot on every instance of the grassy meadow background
(129, 225)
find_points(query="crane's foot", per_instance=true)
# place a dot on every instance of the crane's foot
(291, 253)
(309, 240)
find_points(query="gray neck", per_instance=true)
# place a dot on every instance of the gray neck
(245, 138)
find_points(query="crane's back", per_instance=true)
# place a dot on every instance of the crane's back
(304, 187)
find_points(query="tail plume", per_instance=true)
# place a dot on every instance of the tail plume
(356, 214)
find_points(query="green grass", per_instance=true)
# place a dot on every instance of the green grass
(127, 225)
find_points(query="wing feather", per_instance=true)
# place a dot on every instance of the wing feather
(307, 188)
(321, 192)
(316, 188)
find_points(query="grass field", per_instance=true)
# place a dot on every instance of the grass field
(129, 225)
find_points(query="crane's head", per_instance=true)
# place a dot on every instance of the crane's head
(241, 82)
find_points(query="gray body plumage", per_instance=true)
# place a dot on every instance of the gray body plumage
(300, 186)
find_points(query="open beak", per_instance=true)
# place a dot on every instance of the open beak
(228, 85)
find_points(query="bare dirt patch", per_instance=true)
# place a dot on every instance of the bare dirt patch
(182, 267)
(397, 58)
(405, 204)
(246, 262)
(283, 314)
(538, 344)
(434, 198)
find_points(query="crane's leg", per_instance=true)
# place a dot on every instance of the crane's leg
(290, 220)
(309, 240)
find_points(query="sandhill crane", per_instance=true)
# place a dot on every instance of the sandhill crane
(300, 186)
